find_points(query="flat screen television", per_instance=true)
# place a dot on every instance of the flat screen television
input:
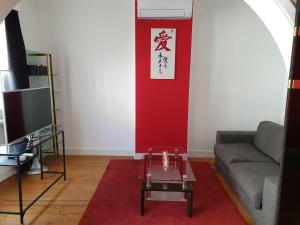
(26, 111)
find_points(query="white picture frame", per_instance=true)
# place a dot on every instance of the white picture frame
(163, 50)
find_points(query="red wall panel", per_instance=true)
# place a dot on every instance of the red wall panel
(162, 105)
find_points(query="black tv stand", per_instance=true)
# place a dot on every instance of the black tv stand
(36, 148)
(25, 144)
(19, 146)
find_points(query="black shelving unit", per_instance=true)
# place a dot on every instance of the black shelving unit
(6, 160)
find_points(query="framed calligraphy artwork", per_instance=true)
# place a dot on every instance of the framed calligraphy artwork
(163, 44)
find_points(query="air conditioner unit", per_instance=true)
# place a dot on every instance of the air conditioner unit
(164, 9)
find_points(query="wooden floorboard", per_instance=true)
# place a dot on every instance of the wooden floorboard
(66, 201)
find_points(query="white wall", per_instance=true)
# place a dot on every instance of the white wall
(29, 21)
(93, 50)
(238, 77)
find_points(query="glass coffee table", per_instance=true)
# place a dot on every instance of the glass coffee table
(166, 176)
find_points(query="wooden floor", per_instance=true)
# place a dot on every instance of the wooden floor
(66, 201)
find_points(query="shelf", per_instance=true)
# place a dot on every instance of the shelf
(5, 161)
(37, 54)
(47, 148)
(38, 76)
(59, 126)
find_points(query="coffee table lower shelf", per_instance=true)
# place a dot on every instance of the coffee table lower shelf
(168, 187)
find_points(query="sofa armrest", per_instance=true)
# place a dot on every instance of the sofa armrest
(235, 137)
(270, 199)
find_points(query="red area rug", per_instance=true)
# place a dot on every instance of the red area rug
(117, 200)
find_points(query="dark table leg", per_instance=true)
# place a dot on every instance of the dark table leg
(190, 204)
(41, 161)
(64, 154)
(142, 202)
(20, 190)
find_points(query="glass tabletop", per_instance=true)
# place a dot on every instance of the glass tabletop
(165, 167)
(22, 146)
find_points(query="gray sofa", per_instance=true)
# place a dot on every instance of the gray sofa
(250, 162)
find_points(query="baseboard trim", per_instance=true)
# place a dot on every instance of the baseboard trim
(6, 172)
(100, 152)
(194, 153)
(138, 156)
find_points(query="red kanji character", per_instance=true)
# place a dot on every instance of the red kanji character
(162, 41)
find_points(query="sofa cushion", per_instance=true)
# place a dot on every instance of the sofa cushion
(249, 177)
(239, 152)
(269, 139)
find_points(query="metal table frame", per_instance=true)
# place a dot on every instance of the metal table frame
(179, 184)
(17, 163)
(168, 187)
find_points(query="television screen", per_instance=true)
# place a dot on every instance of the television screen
(26, 111)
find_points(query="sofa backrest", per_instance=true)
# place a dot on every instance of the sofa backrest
(269, 139)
